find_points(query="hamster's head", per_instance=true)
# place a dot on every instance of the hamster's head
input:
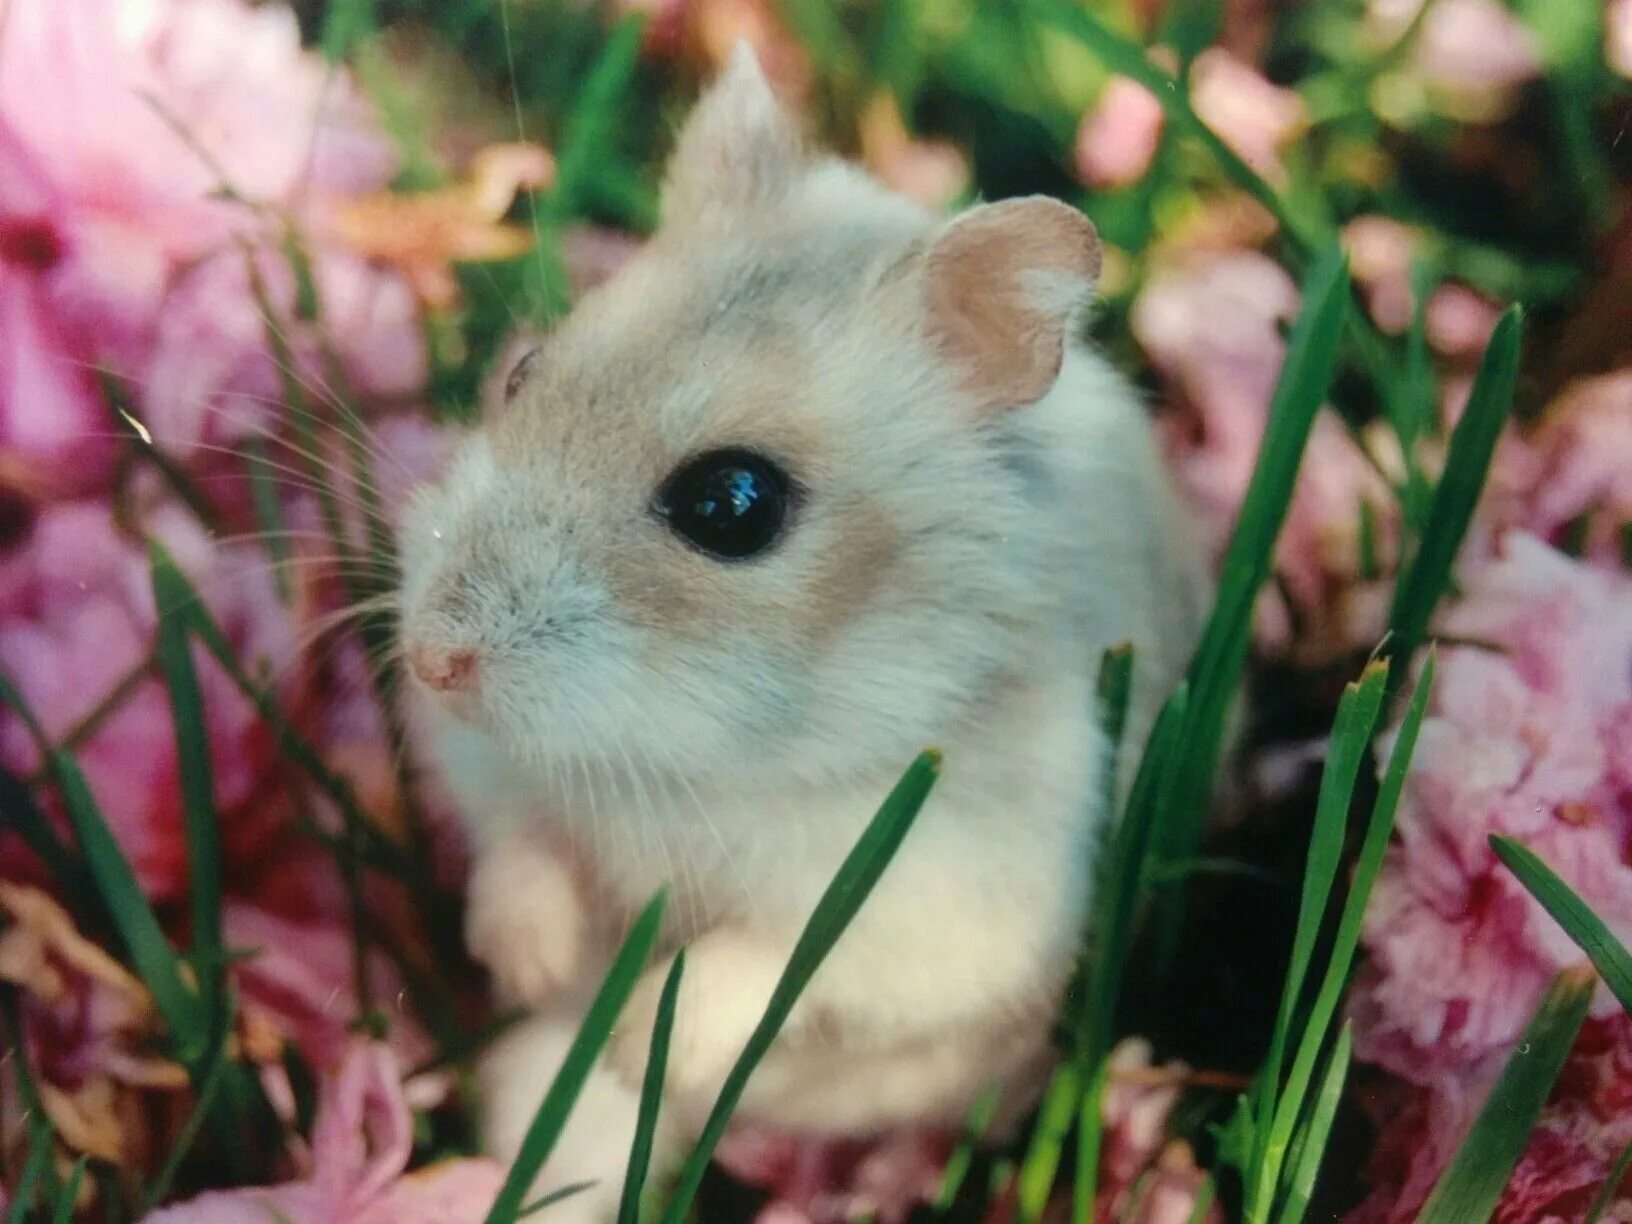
(767, 500)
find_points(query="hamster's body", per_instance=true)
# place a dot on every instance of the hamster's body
(975, 511)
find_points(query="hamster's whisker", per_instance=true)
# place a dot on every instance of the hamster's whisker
(292, 477)
(692, 890)
(672, 769)
(373, 442)
(335, 467)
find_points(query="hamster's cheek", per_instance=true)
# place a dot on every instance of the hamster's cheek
(850, 566)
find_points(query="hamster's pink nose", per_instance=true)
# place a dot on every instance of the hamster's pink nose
(446, 671)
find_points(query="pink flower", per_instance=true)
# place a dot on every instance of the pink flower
(933, 172)
(1459, 319)
(825, 1181)
(210, 375)
(1583, 1128)
(298, 982)
(361, 1144)
(1119, 137)
(144, 147)
(1529, 735)
(1144, 1177)
(88, 1030)
(1575, 467)
(76, 624)
(1210, 327)
(96, 90)
(1252, 116)
(55, 433)
(1618, 36)
(1470, 51)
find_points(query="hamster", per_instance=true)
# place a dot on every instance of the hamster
(817, 480)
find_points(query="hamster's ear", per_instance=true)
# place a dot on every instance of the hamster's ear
(738, 148)
(1004, 284)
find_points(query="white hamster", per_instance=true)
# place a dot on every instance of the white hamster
(817, 480)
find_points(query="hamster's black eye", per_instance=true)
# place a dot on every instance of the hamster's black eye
(728, 503)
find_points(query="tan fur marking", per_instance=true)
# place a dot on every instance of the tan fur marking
(857, 558)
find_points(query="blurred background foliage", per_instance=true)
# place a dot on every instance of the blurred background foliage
(1518, 184)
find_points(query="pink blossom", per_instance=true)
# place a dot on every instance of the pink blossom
(1583, 1128)
(96, 90)
(1529, 736)
(1618, 36)
(144, 146)
(54, 428)
(1210, 327)
(298, 981)
(211, 375)
(76, 622)
(1380, 252)
(1574, 467)
(55, 433)
(824, 1181)
(1458, 319)
(1119, 136)
(1254, 117)
(1144, 1177)
(361, 1143)
(1466, 49)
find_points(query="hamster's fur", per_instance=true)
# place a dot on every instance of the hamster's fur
(980, 513)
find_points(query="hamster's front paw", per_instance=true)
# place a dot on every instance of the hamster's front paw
(524, 921)
(727, 981)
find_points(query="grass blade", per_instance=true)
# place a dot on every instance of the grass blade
(1411, 398)
(1215, 671)
(586, 1047)
(838, 905)
(591, 130)
(34, 1170)
(1350, 742)
(1607, 953)
(64, 1213)
(31, 1111)
(1117, 903)
(1344, 943)
(1473, 442)
(553, 1197)
(1035, 1180)
(150, 952)
(19, 813)
(347, 23)
(963, 1156)
(651, 1094)
(1611, 1187)
(1112, 692)
(176, 604)
(384, 853)
(1317, 1129)
(1471, 1187)
(208, 1089)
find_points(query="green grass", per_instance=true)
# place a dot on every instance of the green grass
(1608, 954)
(595, 1031)
(850, 886)
(1470, 1188)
